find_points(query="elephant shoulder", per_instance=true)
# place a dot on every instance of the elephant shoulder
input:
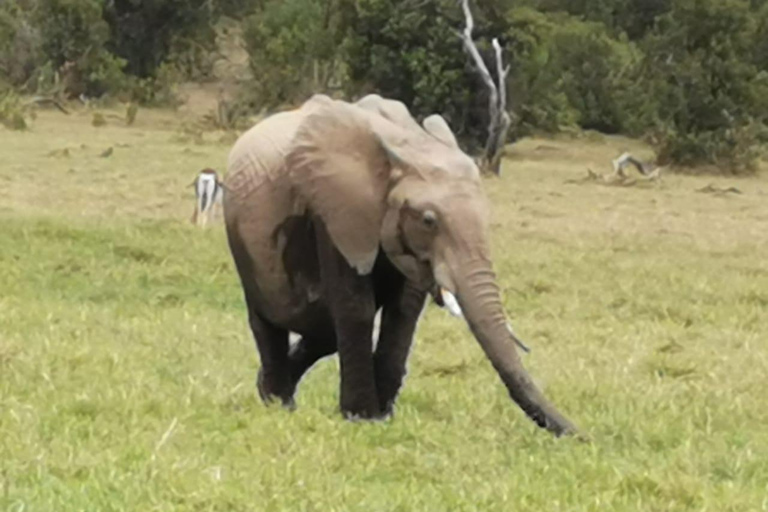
(258, 156)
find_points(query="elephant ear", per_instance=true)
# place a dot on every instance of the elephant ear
(341, 166)
(436, 126)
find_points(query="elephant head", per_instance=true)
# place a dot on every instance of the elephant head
(380, 181)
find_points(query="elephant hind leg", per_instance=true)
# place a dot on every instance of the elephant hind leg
(274, 378)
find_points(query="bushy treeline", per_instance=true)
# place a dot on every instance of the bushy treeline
(93, 47)
(691, 75)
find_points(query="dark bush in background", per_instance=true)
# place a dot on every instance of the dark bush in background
(94, 47)
(294, 50)
(20, 44)
(712, 95)
(409, 50)
(75, 36)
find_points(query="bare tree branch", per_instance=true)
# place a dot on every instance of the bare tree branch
(43, 100)
(466, 36)
(502, 72)
(497, 138)
(499, 122)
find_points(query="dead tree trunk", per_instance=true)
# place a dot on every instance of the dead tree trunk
(499, 122)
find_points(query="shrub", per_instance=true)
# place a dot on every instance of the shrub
(74, 42)
(20, 45)
(596, 72)
(734, 150)
(713, 100)
(12, 112)
(95, 47)
(159, 90)
(535, 83)
(292, 49)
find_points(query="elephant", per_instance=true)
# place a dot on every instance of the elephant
(335, 211)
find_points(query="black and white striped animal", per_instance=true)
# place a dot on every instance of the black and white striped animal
(208, 196)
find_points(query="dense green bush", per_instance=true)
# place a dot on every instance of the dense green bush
(20, 44)
(713, 98)
(75, 36)
(409, 50)
(568, 72)
(596, 71)
(632, 17)
(535, 84)
(293, 50)
(95, 47)
(12, 112)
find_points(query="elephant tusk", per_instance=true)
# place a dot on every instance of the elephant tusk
(517, 340)
(450, 302)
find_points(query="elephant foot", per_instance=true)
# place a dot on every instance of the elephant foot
(358, 417)
(362, 410)
(272, 389)
(388, 411)
(388, 391)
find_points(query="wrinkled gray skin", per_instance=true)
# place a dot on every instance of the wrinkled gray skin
(336, 210)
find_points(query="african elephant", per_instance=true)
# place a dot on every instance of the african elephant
(336, 210)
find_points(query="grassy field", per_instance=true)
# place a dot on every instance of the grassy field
(127, 369)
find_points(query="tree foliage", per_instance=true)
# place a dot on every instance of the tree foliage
(712, 96)
(74, 41)
(20, 44)
(409, 50)
(147, 33)
(293, 50)
(98, 46)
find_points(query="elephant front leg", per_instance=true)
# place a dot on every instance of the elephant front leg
(359, 398)
(351, 300)
(398, 325)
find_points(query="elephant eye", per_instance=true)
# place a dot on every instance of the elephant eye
(429, 218)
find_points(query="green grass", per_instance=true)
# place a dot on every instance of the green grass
(127, 369)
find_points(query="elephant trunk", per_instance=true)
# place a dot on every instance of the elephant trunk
(479, 297)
